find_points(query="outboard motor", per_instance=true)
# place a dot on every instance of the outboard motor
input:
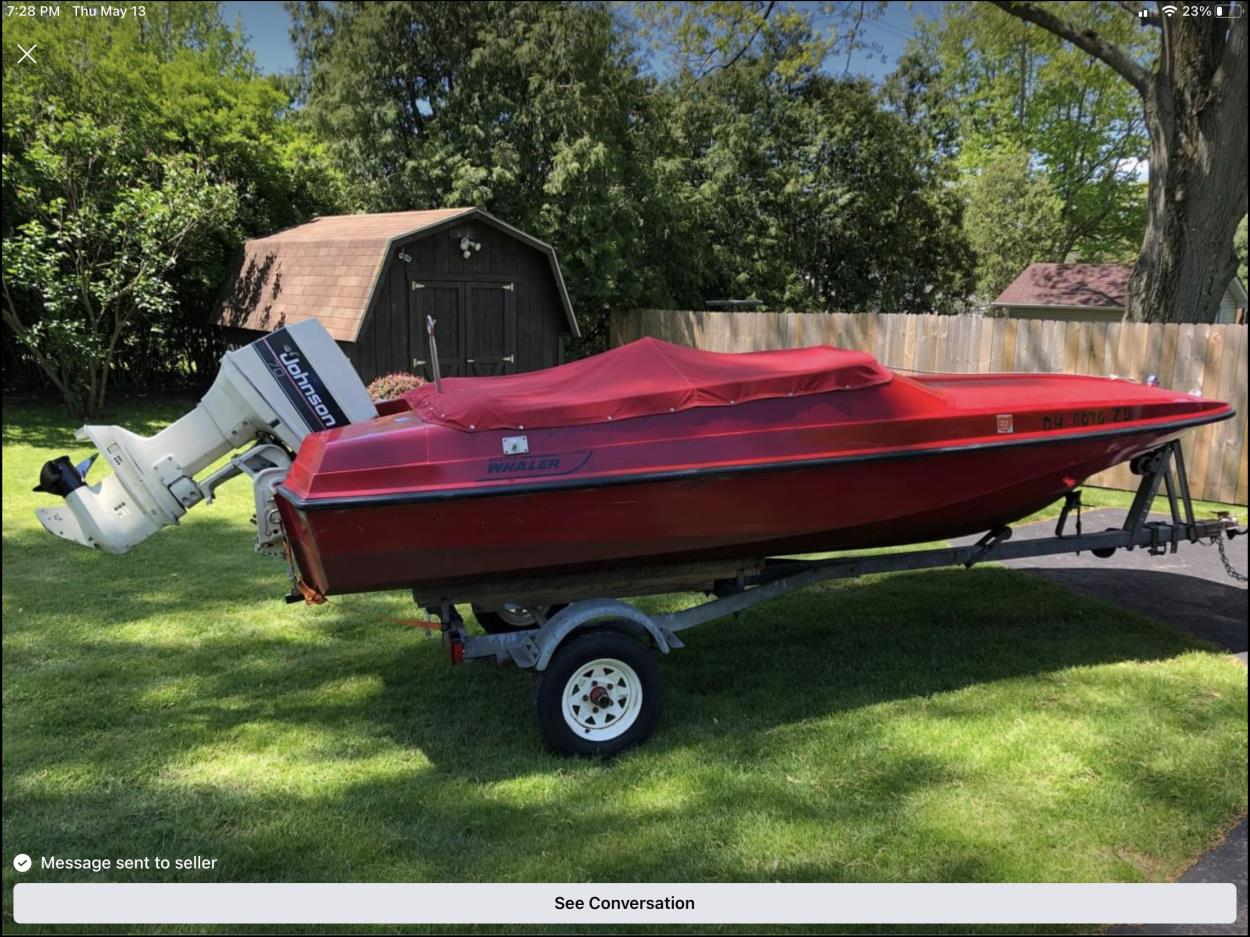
(273, 392)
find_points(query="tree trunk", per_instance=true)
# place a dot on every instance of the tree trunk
(1197, 194)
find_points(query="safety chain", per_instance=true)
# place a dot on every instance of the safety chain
(1228, 567)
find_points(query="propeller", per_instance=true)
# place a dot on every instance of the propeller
(59, 477)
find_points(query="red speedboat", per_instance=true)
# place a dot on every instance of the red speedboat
(656, 454)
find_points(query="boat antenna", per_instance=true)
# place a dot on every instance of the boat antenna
(438, 378)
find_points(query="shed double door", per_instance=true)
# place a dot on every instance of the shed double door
(474, 326)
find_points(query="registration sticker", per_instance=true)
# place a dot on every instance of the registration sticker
(1005, 423)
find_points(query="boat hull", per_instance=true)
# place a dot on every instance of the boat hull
(881, 496)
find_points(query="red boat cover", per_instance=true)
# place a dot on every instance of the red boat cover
(642, 378)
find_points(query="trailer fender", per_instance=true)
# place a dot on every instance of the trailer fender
(593, 611)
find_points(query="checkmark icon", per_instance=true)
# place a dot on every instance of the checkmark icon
(21, 862)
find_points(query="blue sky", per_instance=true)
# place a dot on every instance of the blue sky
(268, 29)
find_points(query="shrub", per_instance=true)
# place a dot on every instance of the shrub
(392, 385)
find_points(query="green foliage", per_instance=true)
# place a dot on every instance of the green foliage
(175, 90)
(809, 196)
(105, 229)
(696, 40)
(865, 225)
(1013, 215)
(389, 386)
(985, 86)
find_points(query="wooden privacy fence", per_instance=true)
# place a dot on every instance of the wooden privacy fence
(1209, 359)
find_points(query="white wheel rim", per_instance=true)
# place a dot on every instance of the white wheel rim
(615, 687)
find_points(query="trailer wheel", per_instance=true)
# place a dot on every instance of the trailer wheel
(513, 617)
(601, 694)
(1105, 553)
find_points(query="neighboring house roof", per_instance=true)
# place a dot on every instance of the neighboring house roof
(1090, 286)
(328, 269)
(1082, 286)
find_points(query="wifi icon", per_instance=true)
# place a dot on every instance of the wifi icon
(1168, 11)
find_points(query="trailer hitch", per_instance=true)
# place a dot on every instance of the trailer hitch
(1230, 525)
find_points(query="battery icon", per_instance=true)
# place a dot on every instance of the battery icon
(1230, 11)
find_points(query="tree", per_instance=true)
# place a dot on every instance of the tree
(987, 85)
(1013, 213)
(102, 236)
(1194, 100)
(868, 223)
(697, 40)
(174, 87)
(916, 90)
(802, 190)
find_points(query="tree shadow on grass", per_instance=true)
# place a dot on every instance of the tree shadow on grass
(174, 572)
(44, 424)
(803, 657)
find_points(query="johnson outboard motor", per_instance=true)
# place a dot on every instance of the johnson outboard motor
(272, 393)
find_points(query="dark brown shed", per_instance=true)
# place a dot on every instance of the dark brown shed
(496, 293)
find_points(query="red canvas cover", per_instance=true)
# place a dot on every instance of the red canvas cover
(643, 378)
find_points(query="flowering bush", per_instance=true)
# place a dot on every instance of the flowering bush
(392, 385)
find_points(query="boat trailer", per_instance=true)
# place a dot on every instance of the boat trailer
(597, 688)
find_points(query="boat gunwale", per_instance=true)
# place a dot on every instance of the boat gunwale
(339, 502)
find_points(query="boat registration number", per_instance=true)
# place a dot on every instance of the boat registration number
(1078, 418)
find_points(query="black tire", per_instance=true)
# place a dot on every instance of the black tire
(1105, 553)
(496, 623)
(579, 651)
(1138, 465)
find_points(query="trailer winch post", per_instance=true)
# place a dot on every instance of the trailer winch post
(1166, 465)
(1151, 467)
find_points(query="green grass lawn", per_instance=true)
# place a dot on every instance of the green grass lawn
(948, 725)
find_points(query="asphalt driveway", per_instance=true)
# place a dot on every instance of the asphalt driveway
(1188, 588)
(1191, 590)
